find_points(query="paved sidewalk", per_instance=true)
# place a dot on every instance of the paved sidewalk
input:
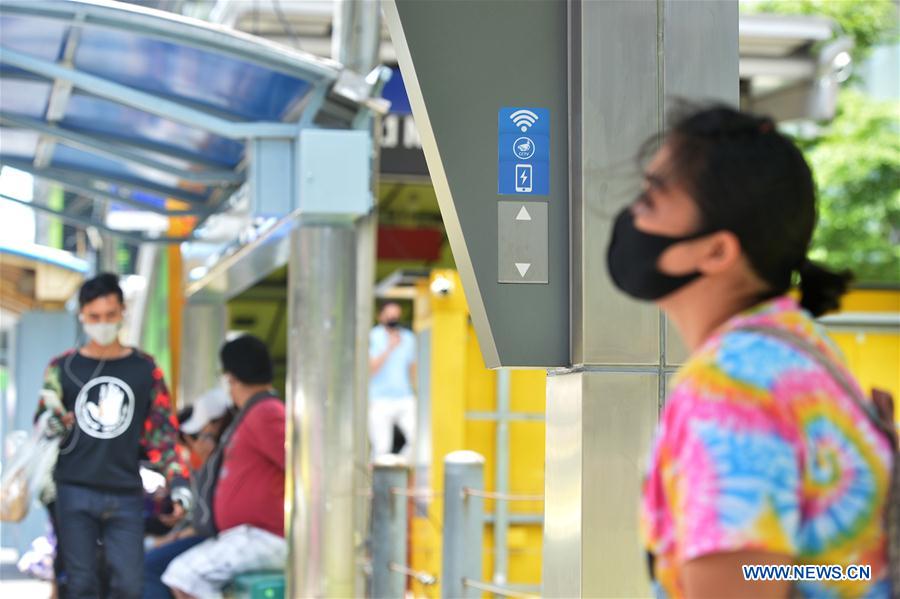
(15, 584)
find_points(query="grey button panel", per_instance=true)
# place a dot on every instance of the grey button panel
(523, 242)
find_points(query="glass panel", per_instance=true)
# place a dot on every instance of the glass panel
(41, 38)
(18, 143)
(90, 114)
(181, 72)
(23, 97)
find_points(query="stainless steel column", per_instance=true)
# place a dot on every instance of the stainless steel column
(389, 526)
(205, 324)
(321, 411)
(330, 295)
(627, 61)
(366, 234)
(356, 35)
(463, 524)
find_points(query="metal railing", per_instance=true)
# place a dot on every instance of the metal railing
(500, 496)
(414, 493)
(464, 520)
(421, 576)
(497, 589)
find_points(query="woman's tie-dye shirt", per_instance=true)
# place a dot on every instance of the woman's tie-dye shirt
(759, 449)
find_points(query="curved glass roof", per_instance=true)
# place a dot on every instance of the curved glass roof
(136, 106)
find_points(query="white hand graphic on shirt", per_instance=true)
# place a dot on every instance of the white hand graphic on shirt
(108, 410)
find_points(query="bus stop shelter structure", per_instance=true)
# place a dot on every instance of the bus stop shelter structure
(150, 113)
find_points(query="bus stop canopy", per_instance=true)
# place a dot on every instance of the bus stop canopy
(150, 111)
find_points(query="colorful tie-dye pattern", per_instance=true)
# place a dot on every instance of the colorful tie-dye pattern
(759, 449)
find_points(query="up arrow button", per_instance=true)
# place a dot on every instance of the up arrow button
(523, 215)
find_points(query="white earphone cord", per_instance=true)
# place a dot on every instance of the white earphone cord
(67, 367)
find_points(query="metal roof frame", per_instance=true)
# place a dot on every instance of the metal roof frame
(119, 151)
(87, 187)
(321, 95)
(89, 179)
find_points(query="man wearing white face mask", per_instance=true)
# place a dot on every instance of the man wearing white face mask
(110, 406)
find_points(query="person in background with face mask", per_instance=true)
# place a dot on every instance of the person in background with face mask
(766, 452)
(392, 375)
(109, 405)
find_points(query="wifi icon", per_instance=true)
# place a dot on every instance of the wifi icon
(523, 119)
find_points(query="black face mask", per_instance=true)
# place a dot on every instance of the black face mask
(392, 324)
(632, 257)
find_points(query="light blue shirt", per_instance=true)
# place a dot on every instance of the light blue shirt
(392, 379)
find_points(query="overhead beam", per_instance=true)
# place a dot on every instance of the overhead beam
(146, 145)
(80, 221)
(147, 102)
(83, 187)
(118, 152)
(794, 68)
(59, 95)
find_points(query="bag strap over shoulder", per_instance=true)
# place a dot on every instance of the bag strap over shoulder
(879, 412)
(837, 374)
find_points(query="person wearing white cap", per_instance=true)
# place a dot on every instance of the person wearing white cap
(212, 414)
(209, 407)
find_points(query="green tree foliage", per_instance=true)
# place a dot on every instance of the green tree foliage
(856, 163)
(856, 157)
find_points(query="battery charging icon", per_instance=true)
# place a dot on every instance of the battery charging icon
(523, 178)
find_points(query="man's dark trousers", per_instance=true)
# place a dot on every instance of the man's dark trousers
(86, 516)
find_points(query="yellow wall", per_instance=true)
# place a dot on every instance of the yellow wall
(873, 356)
(461, 383)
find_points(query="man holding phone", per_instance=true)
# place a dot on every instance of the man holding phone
(110, 405)
(392, 374)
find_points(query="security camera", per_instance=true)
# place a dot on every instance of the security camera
(441, 286)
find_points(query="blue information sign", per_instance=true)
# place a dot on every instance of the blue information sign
(523, 151)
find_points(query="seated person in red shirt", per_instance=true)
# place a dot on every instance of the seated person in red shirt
(248, 499)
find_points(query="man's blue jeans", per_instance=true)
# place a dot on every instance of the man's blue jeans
(86, 516)
(157, 560)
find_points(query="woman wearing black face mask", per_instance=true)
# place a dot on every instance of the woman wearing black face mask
(767, 453)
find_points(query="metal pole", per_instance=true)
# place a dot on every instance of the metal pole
(107, 260)
(321, 396)
(389, 526)
(356, 36)
(501, 482)
(463, 524)
(355, 42)
(205, 324)
(366, 233)
(330, 287)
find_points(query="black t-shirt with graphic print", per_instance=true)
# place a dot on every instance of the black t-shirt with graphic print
(111, 402)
